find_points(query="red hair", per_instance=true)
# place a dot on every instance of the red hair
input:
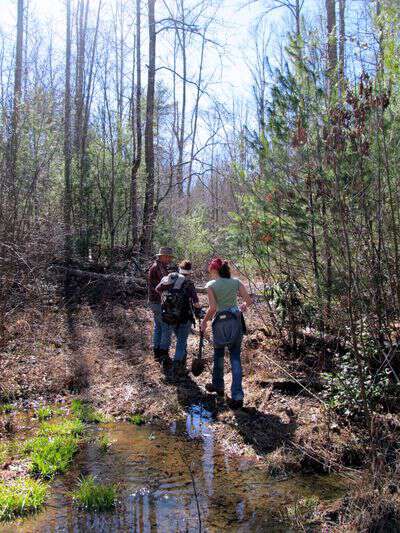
(215, 264)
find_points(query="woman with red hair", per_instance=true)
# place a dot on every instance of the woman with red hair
(223, 292)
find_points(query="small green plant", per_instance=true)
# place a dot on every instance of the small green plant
(104, 443)
(69, 427)
(86, 413)
(44, 413)
(22, 497)
(6, 408)
(94, 496)
(50, 456)
(138, 420)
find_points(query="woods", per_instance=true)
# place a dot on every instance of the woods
(134, 124)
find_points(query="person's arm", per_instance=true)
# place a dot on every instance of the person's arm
(193, 295)
(247, 299)
(212, 309)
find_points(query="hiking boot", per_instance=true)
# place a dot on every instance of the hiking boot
(210, 388)
(178, 369)
(165, 359)
(235, 404)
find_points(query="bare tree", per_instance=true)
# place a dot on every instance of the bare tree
(148, 209)
(67, 139)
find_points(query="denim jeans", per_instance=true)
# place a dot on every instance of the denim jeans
(236, 367)
(162, 331)
(182, 334)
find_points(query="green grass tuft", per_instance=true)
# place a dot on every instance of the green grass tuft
(50, 456)
(22, 497)
(138, 420)
(73, 427)
(44, 413)
(104, 443)
(6, 408)
(95, 496)
(86, 413)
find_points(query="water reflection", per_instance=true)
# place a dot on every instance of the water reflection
(166, 478)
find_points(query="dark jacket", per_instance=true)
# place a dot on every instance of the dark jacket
(190, 291)
(157, 271)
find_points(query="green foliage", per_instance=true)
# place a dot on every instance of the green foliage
(69, 427)
(343, 387)
(21, 497)
(44, 413)
(189, 235)
(51, 452)
(94, 496)
(85, 412)
(137, 420)
(50, 456)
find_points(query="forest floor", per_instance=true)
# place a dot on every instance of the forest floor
(102, 353)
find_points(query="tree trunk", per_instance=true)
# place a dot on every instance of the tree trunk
(67, 140)
(17, 98)
(148, 220)
(136, 132)
(342, 46)
(332, 43)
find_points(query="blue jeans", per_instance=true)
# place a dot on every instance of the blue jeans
(236, 366)
(162, 331)
(182, 334)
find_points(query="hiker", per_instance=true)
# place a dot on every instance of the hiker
(180, 306)
(162, 331)
(228, 327)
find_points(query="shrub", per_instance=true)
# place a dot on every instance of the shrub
(21, 497)
(95, 496)
(344, 391)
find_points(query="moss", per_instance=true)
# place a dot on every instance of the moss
(20, 498)
(94, 496)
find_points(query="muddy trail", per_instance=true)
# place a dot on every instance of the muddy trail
(276, 451)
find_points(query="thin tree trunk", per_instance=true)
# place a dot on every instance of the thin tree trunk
(136, 132)
(17, 100)
(330, 6)
(148, 220)
(67, 140)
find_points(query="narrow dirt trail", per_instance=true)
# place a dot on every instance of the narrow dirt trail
(102, 354)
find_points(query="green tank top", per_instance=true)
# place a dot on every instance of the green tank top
(225, 291)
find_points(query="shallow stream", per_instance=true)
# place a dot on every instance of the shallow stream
(176, 481)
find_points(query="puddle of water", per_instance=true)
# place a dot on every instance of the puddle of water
(167, 480)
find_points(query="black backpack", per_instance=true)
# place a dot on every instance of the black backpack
(175, 304)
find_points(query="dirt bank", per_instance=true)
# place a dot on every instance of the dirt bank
(102, 353)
